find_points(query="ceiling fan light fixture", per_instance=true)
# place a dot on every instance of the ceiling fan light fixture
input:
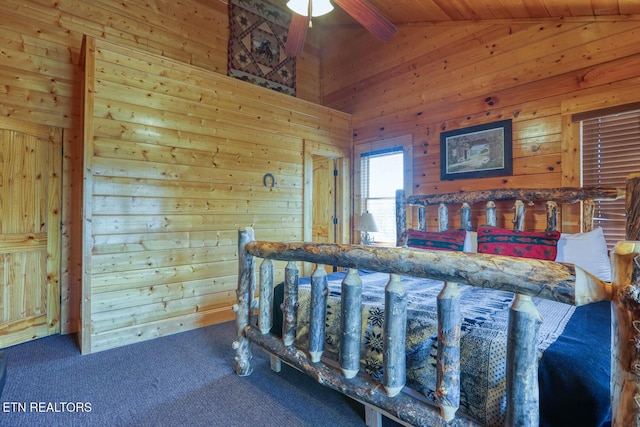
(318, 7)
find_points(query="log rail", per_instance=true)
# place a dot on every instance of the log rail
(526, 278)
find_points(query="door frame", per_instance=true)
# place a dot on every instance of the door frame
(342, 156)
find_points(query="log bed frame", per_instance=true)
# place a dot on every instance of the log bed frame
(555, 281)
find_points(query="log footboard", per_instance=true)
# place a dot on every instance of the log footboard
(402, 406)
(522, 390)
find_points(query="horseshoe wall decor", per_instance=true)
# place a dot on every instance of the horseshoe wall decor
(269, 180)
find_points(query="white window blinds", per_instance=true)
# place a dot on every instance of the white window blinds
(610, 152)
(382, 174)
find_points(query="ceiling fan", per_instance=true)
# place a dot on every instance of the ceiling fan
(360, 10)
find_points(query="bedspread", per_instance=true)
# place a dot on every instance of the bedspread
(483, 337)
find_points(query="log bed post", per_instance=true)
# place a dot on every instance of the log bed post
(246, 282)
(625, 319)
(443, 217)
(350, 323)
(522, 350)
(552, 216)
(401, 219)
(632, 207)
(395, 331)
(490, 214)
(422, 218)
(319, 292)
(465, 217)
(518, 218)
(625, 335)
(266, 296)
(588, 210)
(448, 370)
(522, 363)
(290, 303)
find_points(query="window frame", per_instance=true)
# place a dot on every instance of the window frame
(406, 143)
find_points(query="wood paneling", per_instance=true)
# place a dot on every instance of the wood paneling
(175, 159)
(43, 40)
(432, 78)
(40, 82)
(416, 12)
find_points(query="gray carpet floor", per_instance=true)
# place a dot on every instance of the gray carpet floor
(185, 379)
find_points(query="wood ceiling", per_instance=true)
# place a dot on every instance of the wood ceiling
(402, 12)
(408, 11)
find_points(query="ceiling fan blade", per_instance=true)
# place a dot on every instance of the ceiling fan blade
(297, 34)
(369, 17)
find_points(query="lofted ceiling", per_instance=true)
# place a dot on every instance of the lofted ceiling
(411, 11)
(402, 12)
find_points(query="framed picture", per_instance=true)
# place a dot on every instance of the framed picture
(476, 152)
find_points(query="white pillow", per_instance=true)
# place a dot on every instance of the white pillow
(586, 250)
(470, 242)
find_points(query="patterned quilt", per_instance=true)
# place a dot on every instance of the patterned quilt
(483, 340)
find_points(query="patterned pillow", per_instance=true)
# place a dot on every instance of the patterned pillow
(450, 240)
(524, 244)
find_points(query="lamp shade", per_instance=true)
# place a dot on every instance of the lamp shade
(366, 222)
(318, 7)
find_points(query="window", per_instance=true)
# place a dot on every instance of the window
(382, 174)
(610, 152)
(380, 168)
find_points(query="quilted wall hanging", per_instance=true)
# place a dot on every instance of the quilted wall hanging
(258, 34)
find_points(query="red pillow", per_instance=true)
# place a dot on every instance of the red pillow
(450, 240)
(524, 244)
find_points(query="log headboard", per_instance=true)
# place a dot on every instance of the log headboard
(521, 197)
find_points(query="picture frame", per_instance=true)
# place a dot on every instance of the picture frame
(477, 151)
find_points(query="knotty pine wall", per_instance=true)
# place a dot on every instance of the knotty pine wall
(435, 77)
(175, 159)
(40, 77)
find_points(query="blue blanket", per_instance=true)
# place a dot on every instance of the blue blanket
(575, 371)
(483, 347)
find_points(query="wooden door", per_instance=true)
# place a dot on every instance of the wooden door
(324, 203)
(30, 188)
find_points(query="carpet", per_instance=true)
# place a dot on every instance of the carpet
(257, 39)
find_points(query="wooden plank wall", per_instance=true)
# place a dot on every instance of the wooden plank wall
(40, 77)
(435, 77)
(175, 161)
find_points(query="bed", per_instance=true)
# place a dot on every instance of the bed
(428, 370)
